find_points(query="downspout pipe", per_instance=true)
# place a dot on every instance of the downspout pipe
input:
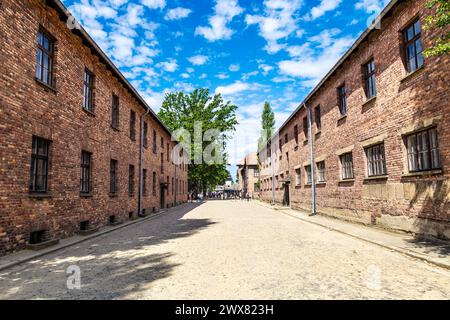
(311, 144)
(141, 151)
(272, 161)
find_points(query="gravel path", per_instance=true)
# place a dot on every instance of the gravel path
(226, 250)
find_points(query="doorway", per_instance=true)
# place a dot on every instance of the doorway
(162, 195)
(286, 199)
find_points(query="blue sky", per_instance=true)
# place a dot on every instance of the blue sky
(250, 51)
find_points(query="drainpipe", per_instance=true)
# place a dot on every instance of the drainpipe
(273, 173)
(141, 149)
(176, 183)
(311, 144)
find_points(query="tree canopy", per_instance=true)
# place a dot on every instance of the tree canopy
(439, 20)
(268, 125)
(199, 111)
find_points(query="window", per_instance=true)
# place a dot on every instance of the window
(305, 127)
(132, 125)
(162, 143)
(154, 141)
(255, 173)
(173, 191)
(131, 180)
(115, 112)
(347, 166)
(39, 165)
(167, 191)
(412, 46)
(318, 117)
(113, 176)
(342, 99)
(144, 182)
(308, 175)
(369, 79)
(296, 133)
(280, 141)
(145, 142)
(298, 176)
(423, 151)
(85, 183)
(162, 162)
(154, 183)
(376, 163)
(321, 171)
(286, 138)
(168, 153)
(88, 93)
(45, 57)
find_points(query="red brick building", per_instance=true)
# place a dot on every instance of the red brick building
(380, 132)
(71, 127)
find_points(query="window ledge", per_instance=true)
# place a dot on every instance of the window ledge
(422, 173)
(113, 195)
(321, 183)
(115, 129)
(412, 74)
(131, 195)
(369, 101)
(308, 184)
(46, 86)
(86, 195)
(89, 112)
(343, 116)
(346, 180)
(37, 195)
(383, 177)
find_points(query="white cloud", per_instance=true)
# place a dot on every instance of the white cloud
(170, 65)
(322, 8)
(185, 75)
(154, 4)
(203, 76)
(234, 67)
(190, 70)
(265, 69)
(312, 65)
(224, 12)
(198, 60)
(177, 13)
(222, 76)
(277, 23)
(237, 87)
(371, 5)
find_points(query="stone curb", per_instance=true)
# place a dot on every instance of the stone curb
(86, 238)
(393, 248)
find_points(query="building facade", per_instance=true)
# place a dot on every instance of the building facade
(248, 175)
(71, 129)
(380, 124)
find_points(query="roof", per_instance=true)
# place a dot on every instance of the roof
(64, 15)
(250, 159)
(346, 55)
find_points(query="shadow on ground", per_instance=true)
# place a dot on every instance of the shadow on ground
(112, 266)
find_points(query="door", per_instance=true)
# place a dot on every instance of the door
(162, 191)
(286, 200)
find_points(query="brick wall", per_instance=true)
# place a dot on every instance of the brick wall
(405, 103)
(29, 108)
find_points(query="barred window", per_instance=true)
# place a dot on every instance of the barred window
(39, 165)
(369, 79)
(144, 182)
(88, 92)
(342, 99)
(308, 175)
(412, 46)
(132, 125)
(305, 127)
(168, 152)
(347, 166)
(154, 141)
(85, 184)
(113, 176)
(321, 171)
(131, 180)
(162, 162)
(45, 58)
(318, 117)
(298, 176)
(423, 150)
(115, 112)
(376, 163)
(255, 173)
(145, 142)
(296, 133)
(154, 183)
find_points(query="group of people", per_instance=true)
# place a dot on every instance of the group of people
(236, 195)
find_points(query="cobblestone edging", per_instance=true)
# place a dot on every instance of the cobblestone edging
(413, 254)
(71, 241)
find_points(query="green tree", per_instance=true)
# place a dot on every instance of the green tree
(268, 125)
(183, 111)
(439, 20)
